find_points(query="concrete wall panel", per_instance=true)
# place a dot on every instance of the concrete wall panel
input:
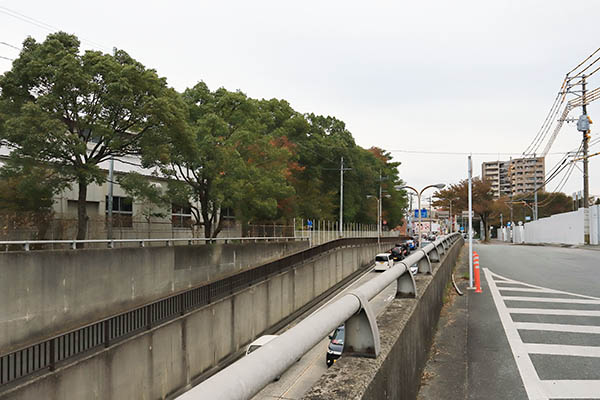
(155, 364)
(168, 369)
(198, 332)
(45, 293)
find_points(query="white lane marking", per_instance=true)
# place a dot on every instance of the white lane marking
(529, 375)
(542, 288)
(544, 311)
(516, 289)
(562, 350)
(550, 300)
(572, 389)
(557, 327)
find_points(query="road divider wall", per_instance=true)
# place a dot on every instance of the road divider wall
(163, 360)
(406, 332)
(44, 293)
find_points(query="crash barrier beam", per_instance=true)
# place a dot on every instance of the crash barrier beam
(246, 377)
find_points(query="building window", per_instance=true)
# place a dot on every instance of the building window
(122, 211)
(228, 218)
(181, 216)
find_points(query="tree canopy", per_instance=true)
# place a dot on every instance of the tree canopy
(74, 110)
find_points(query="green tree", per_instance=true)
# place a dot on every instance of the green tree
(231, 160)
(27, 192)
(74, 111)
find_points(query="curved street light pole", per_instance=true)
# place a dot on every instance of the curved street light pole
(438, 186)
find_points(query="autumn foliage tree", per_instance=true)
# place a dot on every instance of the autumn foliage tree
(483, 200)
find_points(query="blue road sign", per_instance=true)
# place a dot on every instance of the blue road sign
(416, 213)
(462, 228)
(309, 223)
(423, 213)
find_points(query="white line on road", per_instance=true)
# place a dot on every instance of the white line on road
(572, 389)
(529, 375)
(544, 311)
(562, 350)
(536, 388)
(550, 300)
(539, 287)
(557, 327)
(516, 289)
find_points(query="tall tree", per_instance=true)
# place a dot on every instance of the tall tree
(483, 200)
(73, 111)
(231, 161)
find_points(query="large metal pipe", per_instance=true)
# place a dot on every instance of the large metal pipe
(246, 377)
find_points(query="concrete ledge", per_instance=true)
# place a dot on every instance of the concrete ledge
(407, 328)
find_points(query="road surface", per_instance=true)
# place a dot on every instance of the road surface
(535, 331)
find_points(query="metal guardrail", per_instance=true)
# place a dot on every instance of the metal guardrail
(47, 354)
(26, 244)
(246, 377)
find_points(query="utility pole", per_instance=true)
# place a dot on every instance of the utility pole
(470, 231)
(535, 196)
(379, 216)
(586, 189)
(111, 168)
(341, 195)
(342, 169)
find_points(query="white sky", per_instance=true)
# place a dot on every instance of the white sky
(456, 76)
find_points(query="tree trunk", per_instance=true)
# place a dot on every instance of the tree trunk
(82, 217)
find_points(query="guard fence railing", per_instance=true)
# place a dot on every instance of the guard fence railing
(246, 377)
(111, 243)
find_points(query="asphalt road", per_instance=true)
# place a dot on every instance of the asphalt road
(299, 378)
(534, 332)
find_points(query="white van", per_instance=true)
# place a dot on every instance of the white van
(258, 343)
(383, 261)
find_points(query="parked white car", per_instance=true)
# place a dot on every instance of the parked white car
(383, 261)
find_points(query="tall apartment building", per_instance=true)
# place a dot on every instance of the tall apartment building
(516, 176)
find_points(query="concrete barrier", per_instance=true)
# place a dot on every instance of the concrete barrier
(406, 328)
(169, 357)
(47, 292)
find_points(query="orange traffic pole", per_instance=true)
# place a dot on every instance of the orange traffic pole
(476, 273)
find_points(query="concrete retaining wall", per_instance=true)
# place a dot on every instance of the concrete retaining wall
(406, 331)
(47, 292)
(157, 363)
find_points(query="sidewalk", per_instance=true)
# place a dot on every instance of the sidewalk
(445, 375)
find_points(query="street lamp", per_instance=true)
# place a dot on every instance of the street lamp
(437, 186)
(387, 196)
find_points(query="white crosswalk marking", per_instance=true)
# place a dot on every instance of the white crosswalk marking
(535, 387)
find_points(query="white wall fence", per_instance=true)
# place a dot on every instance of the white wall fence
(322, 231)
(565, 228)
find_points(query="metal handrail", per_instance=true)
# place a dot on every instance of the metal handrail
(246, 377)
(111, 242)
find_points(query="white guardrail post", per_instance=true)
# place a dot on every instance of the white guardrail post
(247, 376)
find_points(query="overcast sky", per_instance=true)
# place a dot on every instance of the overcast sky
(450, 76)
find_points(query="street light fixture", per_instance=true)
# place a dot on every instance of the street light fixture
(387, 196)
(419, 193)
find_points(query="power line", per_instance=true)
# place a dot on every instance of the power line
(583, 62)
(10, 45)
(6, 58)
(43, 25)
(457, 153)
